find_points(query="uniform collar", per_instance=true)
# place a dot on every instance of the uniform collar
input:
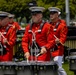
(38, 24)
(11, 22)
(54, 23)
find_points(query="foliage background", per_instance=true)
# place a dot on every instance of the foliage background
(20, 7)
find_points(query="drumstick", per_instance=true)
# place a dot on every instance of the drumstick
(38, 54)
(59, 41)
(27, 60)
(3, 37)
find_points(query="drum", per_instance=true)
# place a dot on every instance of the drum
(72, 63)
(30, 68)
(72, 60)
(47, 68)
(34, 67)
(24, 68)
(7, 68)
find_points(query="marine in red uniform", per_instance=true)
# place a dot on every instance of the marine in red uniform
(12, 22)
(60, 34)
(7, 38)
(34, 37)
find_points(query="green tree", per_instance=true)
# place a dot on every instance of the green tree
(60, 4)
(20, 8)
(17, 7)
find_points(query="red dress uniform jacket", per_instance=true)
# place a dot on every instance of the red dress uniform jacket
(43, 38)
(11, 37)
(60, 33)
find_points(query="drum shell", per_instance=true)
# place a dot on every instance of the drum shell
(7, 68)
(72, 63)
(72, 59)
(48, 68)
(31, 68)
(24, 68)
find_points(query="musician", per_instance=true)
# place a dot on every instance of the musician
(12, 22)
(7, 38)
(36, 38)
(60, 34)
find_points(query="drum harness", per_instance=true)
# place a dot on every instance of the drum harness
(3, 50)
(36, 46)
(56, 26)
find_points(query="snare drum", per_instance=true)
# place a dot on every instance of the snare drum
(47, 68)
(7, 68)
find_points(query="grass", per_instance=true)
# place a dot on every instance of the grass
(66, 67)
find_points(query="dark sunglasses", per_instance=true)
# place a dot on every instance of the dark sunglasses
(53, 12)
